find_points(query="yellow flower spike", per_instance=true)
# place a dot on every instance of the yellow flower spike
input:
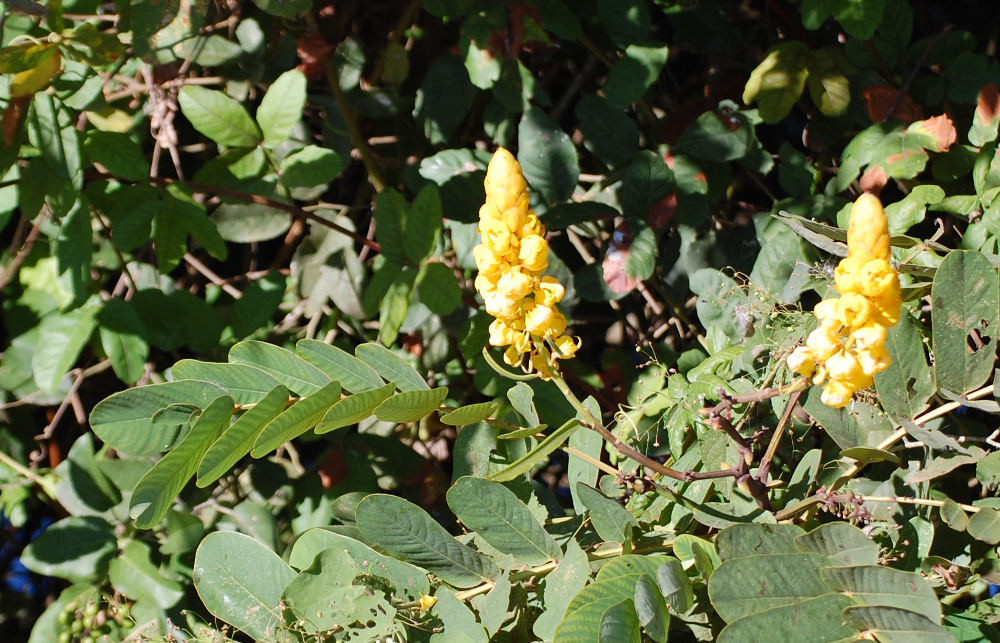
(510, 259)
(848, 348)
(868, 230)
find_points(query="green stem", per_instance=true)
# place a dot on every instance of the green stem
(46, 485)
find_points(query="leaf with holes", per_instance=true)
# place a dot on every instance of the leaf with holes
(965, 317)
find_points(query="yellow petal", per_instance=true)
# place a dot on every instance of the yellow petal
(868, 230)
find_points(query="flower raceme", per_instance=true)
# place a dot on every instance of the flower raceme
(511, 258)
(848, 348)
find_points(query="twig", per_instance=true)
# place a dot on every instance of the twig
(772, 448)
(22, 254)
(45, 485)
(206, 272)
(81, 375)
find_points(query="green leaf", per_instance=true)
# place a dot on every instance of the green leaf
(296, 420)
(250, 222)
(218, 116)
(444, 98)
(647, 180)
(674, 585)
(615, 583)
(525, 463)
(651, 609)
(984, 525)
(608, 132)
(842, 543)
(354, 408)
(817, 620)
(625, 21)
(82, 488)
(423, 224)
(391, 367)
(612, 521)
(778, 81)
(953, 515)
(710, 138)
(579, 470)
(457, 619)
(470, 414)
(829, 88)
(118, 153)
(156, 491)
(438, 289)
(134, 575)
(755, 583)
(894, 625)
(123, 338)
(634, 73)
(395, 304)
(281, 107)
(125, 420)
(240, 581)
(208, 51)
(906, 386)
(301, 377)
(965, 315)
(237, 439)
(353, 374)
(501, 519)
(619, 623)
(247, 385)
(77, 548)
(862, 425)
(322, 596)
(561, 585)
(310, 167)
(409, 581)
(879, 585)
(410, 406)
(547, 157)
(50, 130)
(408, 532)
(859, 18)
(61, 338)
(390, 216)
(910, 211)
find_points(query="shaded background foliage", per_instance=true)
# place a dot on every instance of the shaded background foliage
(187, 182)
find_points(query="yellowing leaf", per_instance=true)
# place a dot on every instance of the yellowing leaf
(32, 80)
(778, 81)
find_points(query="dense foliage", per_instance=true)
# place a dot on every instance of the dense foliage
(254, 385)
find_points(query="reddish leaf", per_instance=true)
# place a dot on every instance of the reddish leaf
(312, 50)
(879, 99)
(988, 106)
(938, 130)
(662, 211)
(874, 179)
(614, 270)
(11, 118)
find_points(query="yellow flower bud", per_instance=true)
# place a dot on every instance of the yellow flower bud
(537, 319)
(499, 304)
(515, 284)
(843, 366)
(869, 336)
(876, 277)
(532, 226)
(557, 326)
(847, 276)
(486, 259)
(426, 602)
(823, 343)
(836, 394)
(854, 310)
(496, 236)
(868, 230)
(533, 253)
(801, 361)
(566, 346)
(874, 360)
(548, 291)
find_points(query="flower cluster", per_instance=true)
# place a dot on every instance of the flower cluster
(511, 258)
(848, 348)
